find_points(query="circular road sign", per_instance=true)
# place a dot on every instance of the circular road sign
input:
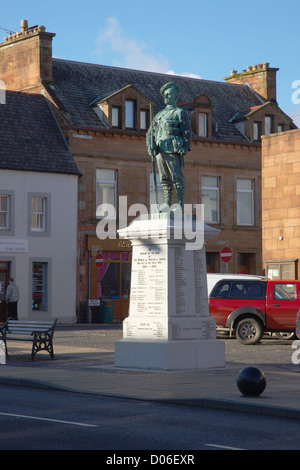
(99, 260)
(226, 254)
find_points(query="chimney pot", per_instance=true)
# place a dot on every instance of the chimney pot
(24, 26)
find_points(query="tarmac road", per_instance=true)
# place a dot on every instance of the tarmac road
(35, 419)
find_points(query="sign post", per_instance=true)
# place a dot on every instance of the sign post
(99, 260)
(226, 256)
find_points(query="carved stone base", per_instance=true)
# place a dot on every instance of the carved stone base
(169, 327)
(170, 355)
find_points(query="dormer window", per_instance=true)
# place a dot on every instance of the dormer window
(268, 125)
(280, 128)
(256, 131)
(202, 125)
(264, 119)
(130, 107)
(125, 109)
(116, 117)
(144, 119)
(202, 116)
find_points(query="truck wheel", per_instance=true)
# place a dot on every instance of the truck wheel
(249, 331)
(286, 335)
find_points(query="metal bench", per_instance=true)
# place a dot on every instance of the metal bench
(39, 332)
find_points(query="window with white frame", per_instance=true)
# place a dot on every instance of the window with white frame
(144, 119)
(106, 191)
(38, 214)
(210, 198)
(268, 125)
(245, 202)
(130, 114)
(116, 116)
(202, 127)
(4, 211)
(256, 131)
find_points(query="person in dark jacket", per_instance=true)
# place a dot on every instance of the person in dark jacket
(12, 297)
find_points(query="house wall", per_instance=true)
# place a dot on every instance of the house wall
(58, 247)
(281, 198)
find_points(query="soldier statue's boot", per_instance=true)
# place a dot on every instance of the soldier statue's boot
(180, 198)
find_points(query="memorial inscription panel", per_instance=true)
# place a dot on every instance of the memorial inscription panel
(200, 282)
(182, 328)
(149, 281)
(143, 329)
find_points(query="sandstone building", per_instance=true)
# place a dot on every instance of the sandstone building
(104, 113)
(281, 204)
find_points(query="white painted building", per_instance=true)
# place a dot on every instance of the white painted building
(38, 211)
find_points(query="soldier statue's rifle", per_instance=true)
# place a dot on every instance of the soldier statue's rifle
(153, 160)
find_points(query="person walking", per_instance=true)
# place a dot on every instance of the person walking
(12, 297)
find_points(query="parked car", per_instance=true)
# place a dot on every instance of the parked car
(298, 325)
(250, 307)
(213, 278)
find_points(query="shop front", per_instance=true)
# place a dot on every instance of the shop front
(109, 281)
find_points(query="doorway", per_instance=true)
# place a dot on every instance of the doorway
(246, 263)
(4, 276)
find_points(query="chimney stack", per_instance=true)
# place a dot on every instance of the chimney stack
(261, 78)
(28, 65)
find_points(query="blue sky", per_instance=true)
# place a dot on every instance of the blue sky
(207, 39)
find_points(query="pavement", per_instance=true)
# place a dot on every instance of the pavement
(84, 363)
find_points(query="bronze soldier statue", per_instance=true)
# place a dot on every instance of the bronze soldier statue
(169, 138)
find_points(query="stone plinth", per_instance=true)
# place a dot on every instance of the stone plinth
(169, 326)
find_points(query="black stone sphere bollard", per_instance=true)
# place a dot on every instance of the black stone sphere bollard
(251, 382)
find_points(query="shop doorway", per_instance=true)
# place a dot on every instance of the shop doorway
(111, 282)
(4, 276)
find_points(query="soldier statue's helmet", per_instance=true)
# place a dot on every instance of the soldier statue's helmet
(170, 85)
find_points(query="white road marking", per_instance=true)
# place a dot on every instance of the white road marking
(49, 419)
(217, 446)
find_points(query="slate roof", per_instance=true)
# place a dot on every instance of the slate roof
(78, 84)
(30, 137)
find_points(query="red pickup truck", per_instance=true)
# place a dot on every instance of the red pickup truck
(249, 308)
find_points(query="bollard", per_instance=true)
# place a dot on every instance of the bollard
(251, 382)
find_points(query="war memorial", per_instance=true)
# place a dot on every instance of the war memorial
(169, 327)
